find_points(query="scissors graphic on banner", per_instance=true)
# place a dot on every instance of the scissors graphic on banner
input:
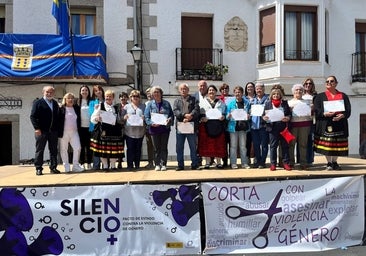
(261, 240)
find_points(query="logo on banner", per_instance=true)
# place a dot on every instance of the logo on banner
(184, 206)
(16, 217)
(22, 57)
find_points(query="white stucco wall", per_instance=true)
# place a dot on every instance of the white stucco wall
(33, 17)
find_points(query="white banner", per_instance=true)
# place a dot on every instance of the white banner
(100, 220)
(283, 216)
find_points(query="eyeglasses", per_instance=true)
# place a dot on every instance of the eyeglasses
(135, 96)
(330, 81)
(309, 83)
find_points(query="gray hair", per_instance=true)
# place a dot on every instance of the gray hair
(297, 86)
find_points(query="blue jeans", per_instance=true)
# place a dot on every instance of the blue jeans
(238, 138)
(191, 139)
(260, 140)
(134, 146)
(274, 139)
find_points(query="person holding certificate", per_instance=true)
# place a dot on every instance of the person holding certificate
(238, 125)
(159, 118)
(134, 129)
(258, 126)
(249, 94)
(69, 124)
(186, 111)
(332, 109)
(301, 121)
(277, 115)
(107, 141)
(211, 135)
(96, 99)
(123, 101)
(309, 94)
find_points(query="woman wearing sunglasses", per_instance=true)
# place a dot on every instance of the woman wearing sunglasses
(332, 109)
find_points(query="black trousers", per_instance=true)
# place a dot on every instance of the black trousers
(41, 140)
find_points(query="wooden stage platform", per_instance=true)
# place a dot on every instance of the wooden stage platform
(24, 175)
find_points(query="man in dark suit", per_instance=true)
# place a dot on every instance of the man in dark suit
(44, 118)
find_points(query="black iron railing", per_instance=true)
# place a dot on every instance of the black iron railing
(359, 67)
(190, 63)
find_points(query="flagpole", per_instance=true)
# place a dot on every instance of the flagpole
(71, 40)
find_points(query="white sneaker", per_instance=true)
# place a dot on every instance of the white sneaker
(234, 166)
(77, 168)
(246, 166)
(88, 166)
(157, 168)
(67, 167)
(163, 168)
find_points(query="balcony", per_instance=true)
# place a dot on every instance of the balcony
(359, 67)
(189, 63)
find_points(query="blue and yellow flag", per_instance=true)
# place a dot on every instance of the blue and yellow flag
(61, 13)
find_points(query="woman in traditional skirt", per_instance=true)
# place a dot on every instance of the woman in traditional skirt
(331, 126)
(107, 141)
(210, 146)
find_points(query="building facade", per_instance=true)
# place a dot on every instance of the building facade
(272, 41)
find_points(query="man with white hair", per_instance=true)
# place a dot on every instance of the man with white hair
(186, 111)
(44, 118)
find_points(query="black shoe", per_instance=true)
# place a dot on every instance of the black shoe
(329, 166)
(194, 167)
(219, 166)
(336, 166)
(179, 168)
(55, 171)
(39, 172)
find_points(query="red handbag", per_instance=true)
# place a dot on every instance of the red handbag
(287, 135)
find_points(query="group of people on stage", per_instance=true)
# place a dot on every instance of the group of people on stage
(249, 123)
(93, 125)
(218, 127)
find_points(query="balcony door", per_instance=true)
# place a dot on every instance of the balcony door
(196, 42)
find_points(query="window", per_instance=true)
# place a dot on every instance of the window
(301, 33)
(2, 19)
(83, 21)
(359, 58)
(360, 37)
(267, 35)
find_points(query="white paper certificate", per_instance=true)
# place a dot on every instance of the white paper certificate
(275, 115)
(185, 128)
(108, 117)
(256, 110)
(301, 109)
(239, 114)
(213, 113)
(334, 106)
(135, 120)
(157, 118)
